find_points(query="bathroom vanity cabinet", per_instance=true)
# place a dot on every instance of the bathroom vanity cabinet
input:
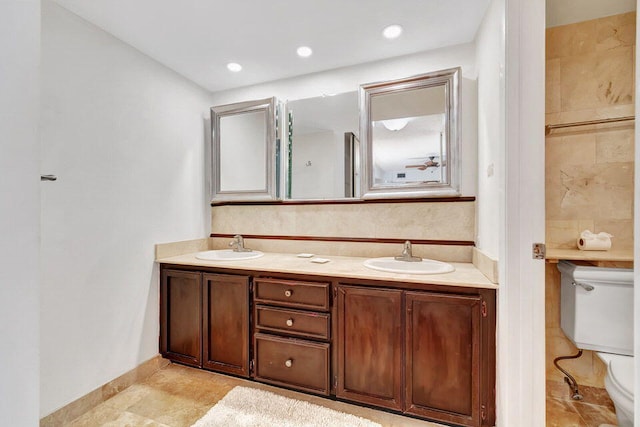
(415, 352)
(413, 348)
(204, 320)
(292, 334)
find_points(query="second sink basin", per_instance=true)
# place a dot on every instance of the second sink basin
(392, 265)
(227, 255)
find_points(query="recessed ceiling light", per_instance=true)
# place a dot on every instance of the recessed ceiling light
(304, 51)
(234, 66)
(392, 31)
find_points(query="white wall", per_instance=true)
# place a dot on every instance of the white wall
(318, 165)
(350, 78)
(126, 138)
(491, 145)
(521, 298)
(19, 211)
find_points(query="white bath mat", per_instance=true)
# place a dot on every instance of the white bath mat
(248, 407)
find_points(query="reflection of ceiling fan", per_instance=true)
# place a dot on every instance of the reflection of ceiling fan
(430, 163)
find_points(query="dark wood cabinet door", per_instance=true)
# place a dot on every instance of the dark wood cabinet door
(181, 317)
(443, 357)
(370, 346)
(225, 305)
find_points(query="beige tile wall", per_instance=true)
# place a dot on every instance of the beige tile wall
(589, 170)
(424, 221)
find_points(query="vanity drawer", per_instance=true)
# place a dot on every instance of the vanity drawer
(293, 363)
(291, 293)
(294, 322)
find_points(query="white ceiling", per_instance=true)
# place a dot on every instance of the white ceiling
(562, 12)
(197, 38)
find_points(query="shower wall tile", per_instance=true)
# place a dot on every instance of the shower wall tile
(562, 234)
(616, 31)
(589, 170)
(553, 86)
(615, 146)
(574, 39)
(621, 231)
(597, 79)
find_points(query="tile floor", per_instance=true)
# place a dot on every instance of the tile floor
(596, 408)
(177, 396)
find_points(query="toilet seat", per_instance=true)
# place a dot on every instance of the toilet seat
(619, 384)
(620, 374)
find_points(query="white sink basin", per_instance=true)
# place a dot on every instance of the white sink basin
(228, 255)
(392, 265)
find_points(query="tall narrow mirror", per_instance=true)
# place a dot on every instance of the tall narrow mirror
(244, 154)
(410, 133)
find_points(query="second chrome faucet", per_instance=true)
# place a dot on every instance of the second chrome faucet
(238, 244)
(407, 254)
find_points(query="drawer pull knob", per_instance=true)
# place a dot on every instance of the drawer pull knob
(288, 293)
(288, 363)
(289, 322)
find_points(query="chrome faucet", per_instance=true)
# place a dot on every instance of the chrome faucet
(238, 244)
(407, 255)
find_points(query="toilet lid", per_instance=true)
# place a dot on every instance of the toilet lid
(621, 374)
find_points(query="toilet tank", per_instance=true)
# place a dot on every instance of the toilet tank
(596, 307)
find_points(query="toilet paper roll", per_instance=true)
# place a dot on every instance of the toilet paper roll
(594, 244)
(589, 241)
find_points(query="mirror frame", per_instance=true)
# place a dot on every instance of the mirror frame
(270, 190)
(450, 79)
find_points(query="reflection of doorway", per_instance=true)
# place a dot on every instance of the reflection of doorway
(351, 162)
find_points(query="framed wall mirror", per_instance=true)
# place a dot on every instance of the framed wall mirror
(410, 136)
(323, 147)
(244, 152)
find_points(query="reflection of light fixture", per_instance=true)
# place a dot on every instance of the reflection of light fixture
(234, 66)
(392, 31)
(304, 51)
(395, 124)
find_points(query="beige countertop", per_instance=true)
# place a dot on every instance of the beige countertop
(465, 274)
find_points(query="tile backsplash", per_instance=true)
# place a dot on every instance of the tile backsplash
(439, 221)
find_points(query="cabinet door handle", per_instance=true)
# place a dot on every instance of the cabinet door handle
(288, 363)
(288, 293)
(289, 322)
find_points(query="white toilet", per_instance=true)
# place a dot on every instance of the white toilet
(597, 314)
